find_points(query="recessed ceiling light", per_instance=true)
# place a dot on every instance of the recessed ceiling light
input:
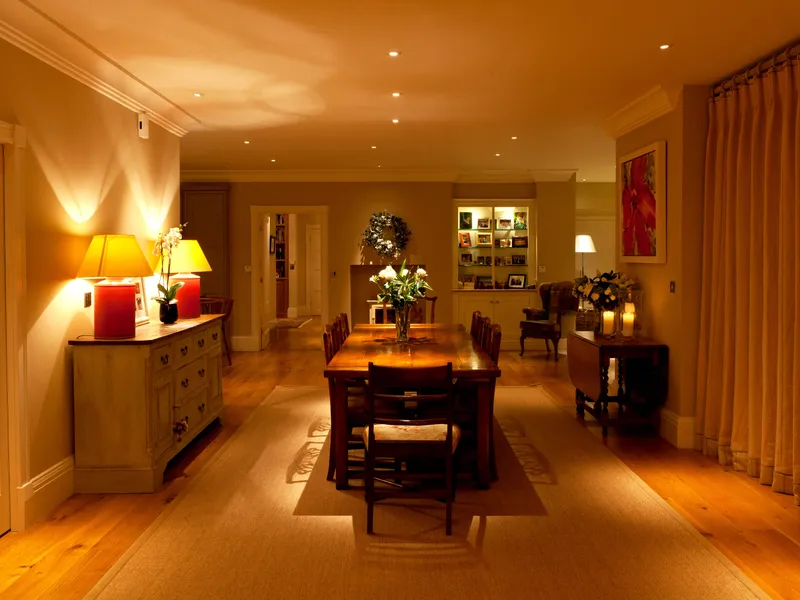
(395, 121)
(513, 137)
(273, 160)
(664, 46)
(396, 94)
(379, 166)
(374, 147)
(498, 154)
(584, 179)
(198, 95)
(246, 142)
(394, 53)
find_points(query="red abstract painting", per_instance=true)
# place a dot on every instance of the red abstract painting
(639, 215)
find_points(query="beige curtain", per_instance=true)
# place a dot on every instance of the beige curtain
(748, 396)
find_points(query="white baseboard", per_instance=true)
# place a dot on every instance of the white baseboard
(678, 431)
(245, 343)
(47, 490)
(291, 312)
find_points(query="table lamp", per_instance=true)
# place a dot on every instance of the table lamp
(584, 244)
(187, 259)
(113, 258)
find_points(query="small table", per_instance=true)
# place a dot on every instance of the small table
(641, 376)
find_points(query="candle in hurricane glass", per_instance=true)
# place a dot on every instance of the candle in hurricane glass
(608, 323)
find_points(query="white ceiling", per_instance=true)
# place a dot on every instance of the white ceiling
(309, 82)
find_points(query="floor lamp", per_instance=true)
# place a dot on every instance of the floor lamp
(584, 244)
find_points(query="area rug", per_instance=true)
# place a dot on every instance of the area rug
(292, 323)
(566, 520)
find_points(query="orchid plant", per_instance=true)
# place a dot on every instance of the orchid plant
(165, 244)
(403, 288)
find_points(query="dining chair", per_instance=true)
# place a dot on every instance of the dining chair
(419, 312)
(410, 418)
(485, 325)
(219, 305)
(474, 329)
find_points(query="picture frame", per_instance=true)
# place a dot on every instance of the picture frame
(468, 282)
(643, 224)
(484, 223)
(466, 258)
(483, 282)
(142, 302)
(505, 224)
(507, 261)
(498, 261)
(516, 281)
(465, 220)
(504, 243)
(465, 239)
(521, 241)
(484, 240)
(521, 220)
(518, 259)
(272, 244)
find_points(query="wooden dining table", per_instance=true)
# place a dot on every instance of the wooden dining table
(428, 345)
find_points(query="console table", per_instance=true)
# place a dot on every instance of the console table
(641, 376)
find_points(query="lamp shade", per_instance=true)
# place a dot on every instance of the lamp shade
(114, 256)
(187, 257)
(584, 243)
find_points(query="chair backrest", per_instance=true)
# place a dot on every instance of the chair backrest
(345, 321)
(557, 299)
(475, 328)
(418, 311)
(216, 305)
(494, 347)
(328, 343)
(486, 323)
(339, 327)
(410, 396)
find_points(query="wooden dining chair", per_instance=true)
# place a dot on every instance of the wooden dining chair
(485, 326)
(410, 419)
(475, 328)
(218, 305)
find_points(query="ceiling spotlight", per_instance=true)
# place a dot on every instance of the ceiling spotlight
(273, 160)
(395, 121)
(246, 142)
(664, 46)
(513, 137)
(374, 147)
(394, 53)
(379, 166)
(584, 179)
(498, 154)
(396, 94)
(198, 95)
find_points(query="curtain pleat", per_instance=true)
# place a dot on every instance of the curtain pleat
(748, 384)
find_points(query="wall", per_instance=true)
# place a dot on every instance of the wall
(674, 318)
(555, 203)
(86, 172)
(595, 215)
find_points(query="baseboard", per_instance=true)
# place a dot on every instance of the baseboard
(302, 311)
(47, 490)
(245, 343)
(678, 431)
(291, 312)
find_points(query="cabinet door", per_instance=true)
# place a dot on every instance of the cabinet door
(163, 401)
(469, 302)
(508, 313)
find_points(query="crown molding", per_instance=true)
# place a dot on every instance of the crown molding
(654, 103)
(40, 52)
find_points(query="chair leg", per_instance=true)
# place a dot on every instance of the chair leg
(331, 462)
(369, 490)
(547, 345)
(555, 348)
(521, 345)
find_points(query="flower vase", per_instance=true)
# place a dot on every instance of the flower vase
(168, 313)
(401, 322)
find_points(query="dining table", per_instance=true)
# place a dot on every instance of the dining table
(428, 345)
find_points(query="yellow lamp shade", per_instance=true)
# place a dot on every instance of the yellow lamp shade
(187, 257)
(114, 256)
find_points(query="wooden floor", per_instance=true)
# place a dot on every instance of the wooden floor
(66, 555)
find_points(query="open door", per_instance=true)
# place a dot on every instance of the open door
(314, 268)
(5, 483)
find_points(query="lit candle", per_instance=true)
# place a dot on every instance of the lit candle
(627, 323)
(629, 307)
(608, 322)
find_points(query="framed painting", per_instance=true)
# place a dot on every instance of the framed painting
(642, 178)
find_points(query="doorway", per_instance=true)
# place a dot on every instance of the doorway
(5, 480)
(314, 269)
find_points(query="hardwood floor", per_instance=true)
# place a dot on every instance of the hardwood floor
(66, 555)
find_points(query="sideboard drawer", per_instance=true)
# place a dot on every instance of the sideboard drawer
(190, 378)
(183, 350)
(214, 336)
(163, 358)
(190, 415)
(201, 341)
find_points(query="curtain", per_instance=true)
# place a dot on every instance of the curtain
(748, 390)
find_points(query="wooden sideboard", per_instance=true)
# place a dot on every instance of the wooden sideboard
(140, 401)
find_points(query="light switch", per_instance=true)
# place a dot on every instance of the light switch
(248, 269)
(542, 269)
(671, 287)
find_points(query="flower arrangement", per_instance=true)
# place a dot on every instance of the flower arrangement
(401, 290)
(165, 243)
(604, 291)
(375, 234)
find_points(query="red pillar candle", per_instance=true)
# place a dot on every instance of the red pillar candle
(114, 310)
(188, 296)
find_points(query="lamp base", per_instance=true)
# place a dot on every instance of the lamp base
(188, 296)
(114, 310)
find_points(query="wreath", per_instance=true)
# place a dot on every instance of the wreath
(375, 235)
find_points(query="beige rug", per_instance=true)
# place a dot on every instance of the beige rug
(567, 519)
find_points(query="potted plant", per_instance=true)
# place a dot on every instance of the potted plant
(165, 244)
(401, 290)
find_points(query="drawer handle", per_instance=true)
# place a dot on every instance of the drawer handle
(214, 336)
(201, 342)
(185, 382)
(181, 427)
(184, 350)
(202, 372)
(165, 359)
(202, 407)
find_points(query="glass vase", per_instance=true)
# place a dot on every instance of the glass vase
(168, 313)
(401, 322)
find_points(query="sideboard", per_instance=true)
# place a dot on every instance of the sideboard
(140, 401)
(503, 307)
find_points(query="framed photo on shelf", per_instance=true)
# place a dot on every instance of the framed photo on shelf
(505, 224)
(517, 282)
(484, 282)
(468, 281)
(498, 261)
(520, 220)
(484, 223)
(518, 259)
(465, 239)
(521, 241)
(485, 240)
(466, 258)
(504, 243)
(142, 305)
(507, 261)
(465, 220)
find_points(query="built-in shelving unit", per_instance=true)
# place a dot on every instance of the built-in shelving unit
(281, 265)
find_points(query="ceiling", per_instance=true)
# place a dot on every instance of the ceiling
(308, 82)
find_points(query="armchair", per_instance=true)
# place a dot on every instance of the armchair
(545, 323)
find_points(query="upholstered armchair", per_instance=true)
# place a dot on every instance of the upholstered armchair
(545, 323)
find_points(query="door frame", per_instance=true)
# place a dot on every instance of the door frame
(253, 341)
(309, 229)
(14, 141)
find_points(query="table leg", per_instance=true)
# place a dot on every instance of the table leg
(580, 404)
(602, 402)
(484, 433)
(340, 434)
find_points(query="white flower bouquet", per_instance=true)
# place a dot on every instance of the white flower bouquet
(604, 291)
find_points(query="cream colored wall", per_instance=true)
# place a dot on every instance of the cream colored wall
(555, 203)
(595, 215)
(674, 318)
(86, 172)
